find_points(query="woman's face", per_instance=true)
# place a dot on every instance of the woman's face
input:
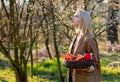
(75, 20)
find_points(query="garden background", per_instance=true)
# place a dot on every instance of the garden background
(33, 34)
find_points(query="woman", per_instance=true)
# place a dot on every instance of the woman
(84, 41)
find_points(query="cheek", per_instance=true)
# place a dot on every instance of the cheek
(77, 21)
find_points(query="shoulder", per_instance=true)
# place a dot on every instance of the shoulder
(90, 40)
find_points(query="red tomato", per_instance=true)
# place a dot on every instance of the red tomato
(87, 56)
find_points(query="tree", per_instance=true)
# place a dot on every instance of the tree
(98, 14)
(112, 25)
(17, 35)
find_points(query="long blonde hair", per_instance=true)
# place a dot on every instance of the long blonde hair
(84, 26)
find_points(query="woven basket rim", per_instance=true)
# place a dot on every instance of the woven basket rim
(78, 63)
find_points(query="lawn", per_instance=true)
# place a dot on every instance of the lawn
(46, 71)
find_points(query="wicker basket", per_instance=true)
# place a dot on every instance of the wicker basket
(76, 64)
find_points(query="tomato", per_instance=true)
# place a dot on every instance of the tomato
(69, 56)
(87, 56)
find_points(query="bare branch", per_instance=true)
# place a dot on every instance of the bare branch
(68, 4)
(3, 4)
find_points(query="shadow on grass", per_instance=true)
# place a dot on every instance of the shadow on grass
(110, 77)
(2, 80)
(105, 60)
(4, 64)
(46, 75)
(48, 70)
(108, 58)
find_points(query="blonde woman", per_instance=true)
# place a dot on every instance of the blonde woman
(84, 41)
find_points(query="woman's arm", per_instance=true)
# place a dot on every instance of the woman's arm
(92, 46)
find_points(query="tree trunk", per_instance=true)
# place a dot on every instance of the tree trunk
(55, 42)
(31, 67)
(21, 76)
(112, 26)
(46, 34)
(48, 50)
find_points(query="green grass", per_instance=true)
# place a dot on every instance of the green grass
(47, 71)
(110, 74)
(7, 75)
